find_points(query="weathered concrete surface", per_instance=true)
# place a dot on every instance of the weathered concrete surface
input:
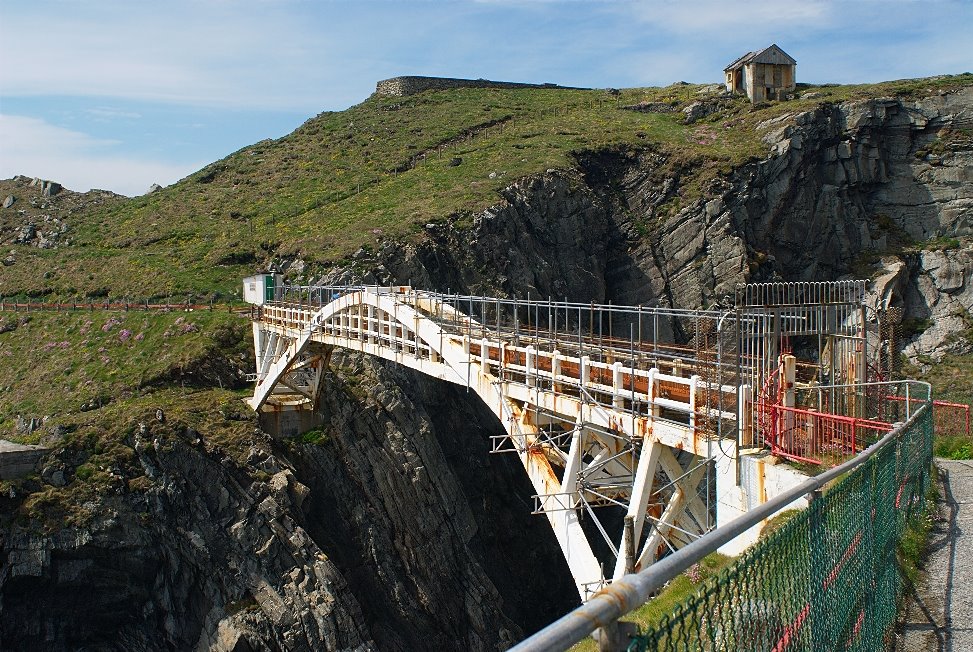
(939, 615)
(18, 460)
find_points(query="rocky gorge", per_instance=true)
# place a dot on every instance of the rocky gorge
(392, 527)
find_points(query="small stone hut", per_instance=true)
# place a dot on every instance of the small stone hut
(763, 75)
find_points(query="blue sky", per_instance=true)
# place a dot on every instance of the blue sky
(122, 94)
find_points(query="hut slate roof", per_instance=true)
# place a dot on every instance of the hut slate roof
(761, 56)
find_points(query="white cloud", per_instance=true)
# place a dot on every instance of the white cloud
(240, 54)
(110, 113)
(77, 161)
(726, 16)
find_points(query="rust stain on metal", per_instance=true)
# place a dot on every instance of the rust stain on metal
(761, 489)
(541, 463)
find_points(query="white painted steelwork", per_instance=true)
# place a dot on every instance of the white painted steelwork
(591, 433)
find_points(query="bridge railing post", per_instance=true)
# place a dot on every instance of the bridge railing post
(485, 356)
(618, 385)
(530, 367)
(744, 418)
(693, 385)
(653, 393)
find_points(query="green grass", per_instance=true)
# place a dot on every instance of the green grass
(315, 436)
(953, 447)
(57, 364)
(912, 547)
(952, 380)
(378, 172)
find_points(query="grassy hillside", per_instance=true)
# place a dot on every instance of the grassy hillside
(380, 170)
(61, 364)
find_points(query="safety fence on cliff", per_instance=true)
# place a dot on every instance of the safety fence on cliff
(118, 306)
(828, 579)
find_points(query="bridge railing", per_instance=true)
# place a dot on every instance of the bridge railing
(602, 331)
(828, 579)
(826, 424)
(542, 344)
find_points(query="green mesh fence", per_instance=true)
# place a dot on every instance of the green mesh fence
(829, 579)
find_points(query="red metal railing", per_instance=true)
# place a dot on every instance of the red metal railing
(817, 437)
(949, 419)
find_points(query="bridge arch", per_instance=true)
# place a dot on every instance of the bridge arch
(573, 422)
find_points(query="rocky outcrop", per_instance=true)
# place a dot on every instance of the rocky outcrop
(39, 213)
(395, 530)
(550, 237)
(939, 296)
(181, 549)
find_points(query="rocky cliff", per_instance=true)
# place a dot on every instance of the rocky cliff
(879, 188)
(393, 528)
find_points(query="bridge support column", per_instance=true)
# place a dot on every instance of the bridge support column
(673, 524)
(558, 500)
(641, 491)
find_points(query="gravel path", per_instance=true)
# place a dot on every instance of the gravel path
(940, 612)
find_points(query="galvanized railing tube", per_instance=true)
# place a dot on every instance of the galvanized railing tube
(602, 611)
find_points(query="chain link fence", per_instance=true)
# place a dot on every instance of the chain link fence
(829, 579)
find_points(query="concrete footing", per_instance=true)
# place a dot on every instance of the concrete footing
(19, 460)
(761, 477)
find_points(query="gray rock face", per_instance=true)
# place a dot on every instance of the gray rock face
(8, 201)
(440, 549)
(190, 561)
(399, 532)
(940, 293)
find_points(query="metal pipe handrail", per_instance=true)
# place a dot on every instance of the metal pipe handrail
(461, 298)
(629, 592)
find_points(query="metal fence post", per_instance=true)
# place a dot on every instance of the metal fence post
(817, 540)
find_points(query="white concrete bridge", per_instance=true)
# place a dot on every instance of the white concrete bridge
(629, 442)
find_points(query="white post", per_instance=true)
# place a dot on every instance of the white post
(531, 362)
(618, 399)
(693, 384)
(790, 375)
(484, 357)
(653, 394)
(745, 417)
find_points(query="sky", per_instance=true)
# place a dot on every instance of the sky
(119, 95)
